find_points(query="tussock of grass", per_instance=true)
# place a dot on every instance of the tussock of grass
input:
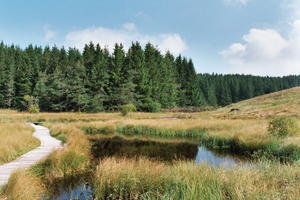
(23, 185)
(114, 180)
(72, 161)
(145, 179)
(16, 139)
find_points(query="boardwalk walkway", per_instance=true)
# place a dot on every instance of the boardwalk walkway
(48, 144)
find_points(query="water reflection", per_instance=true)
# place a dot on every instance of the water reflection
(78, 188)
(162, 150)
(80, 192)
(217, 159)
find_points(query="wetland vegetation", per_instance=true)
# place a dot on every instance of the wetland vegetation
(101, 158)
(16, 140)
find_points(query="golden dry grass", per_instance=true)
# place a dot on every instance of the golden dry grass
(15, 140)
(266, 181)
(23, 185)
(285, 102)
(133, 179)
(72, 160)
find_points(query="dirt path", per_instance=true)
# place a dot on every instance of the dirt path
(48, 144)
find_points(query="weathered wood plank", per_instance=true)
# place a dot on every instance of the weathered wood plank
(48, 144)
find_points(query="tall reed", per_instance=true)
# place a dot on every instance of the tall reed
(145, 179)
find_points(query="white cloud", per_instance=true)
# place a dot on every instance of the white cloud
(171, 42)
(266, 52)
(243, 2)
(49, 34)
(129, 26)
(125, 35)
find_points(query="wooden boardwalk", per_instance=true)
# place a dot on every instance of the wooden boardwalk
(48, 144)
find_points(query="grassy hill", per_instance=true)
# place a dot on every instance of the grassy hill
(285, 102)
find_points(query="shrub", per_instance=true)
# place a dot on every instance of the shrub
(125, 109)
(34, 109)
(151, 107)
(282, 126)
(31, 104)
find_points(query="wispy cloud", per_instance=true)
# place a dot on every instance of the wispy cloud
(49, 34)
(127, 34)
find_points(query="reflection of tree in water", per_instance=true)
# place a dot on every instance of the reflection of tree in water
(227, 154)
(165, 151)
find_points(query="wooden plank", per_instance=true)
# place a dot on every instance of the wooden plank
(48, 145)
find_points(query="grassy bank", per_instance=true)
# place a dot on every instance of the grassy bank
(271, 149)
(23, 185)
(15, 140)
(146, 179)
(73, 161)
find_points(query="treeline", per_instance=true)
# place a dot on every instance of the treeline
(222, 90)
(95, 80)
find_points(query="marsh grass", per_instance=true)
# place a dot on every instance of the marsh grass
(23, 185)
(15, 140)
(272, 149)
(145, 179)
(94, 130)
(71, 161)
(243, 131)
(41, 179)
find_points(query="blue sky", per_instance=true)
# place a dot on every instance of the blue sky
(225, 36)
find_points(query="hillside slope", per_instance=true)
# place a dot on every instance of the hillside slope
(285, 102)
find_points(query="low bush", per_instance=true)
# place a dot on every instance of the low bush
(34, 109)
(152, 106)
(283, 126)
(125, 109)
(31, 104)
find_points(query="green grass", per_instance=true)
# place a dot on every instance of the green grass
(144, 130)
(93, 130)
(145, 179)
(272, 149)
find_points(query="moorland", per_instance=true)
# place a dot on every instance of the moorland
(241, 128)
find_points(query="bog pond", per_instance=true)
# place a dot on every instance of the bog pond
(162, 149)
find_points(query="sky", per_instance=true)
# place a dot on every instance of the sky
(258, 37)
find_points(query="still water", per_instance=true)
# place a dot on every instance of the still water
(162, 150)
